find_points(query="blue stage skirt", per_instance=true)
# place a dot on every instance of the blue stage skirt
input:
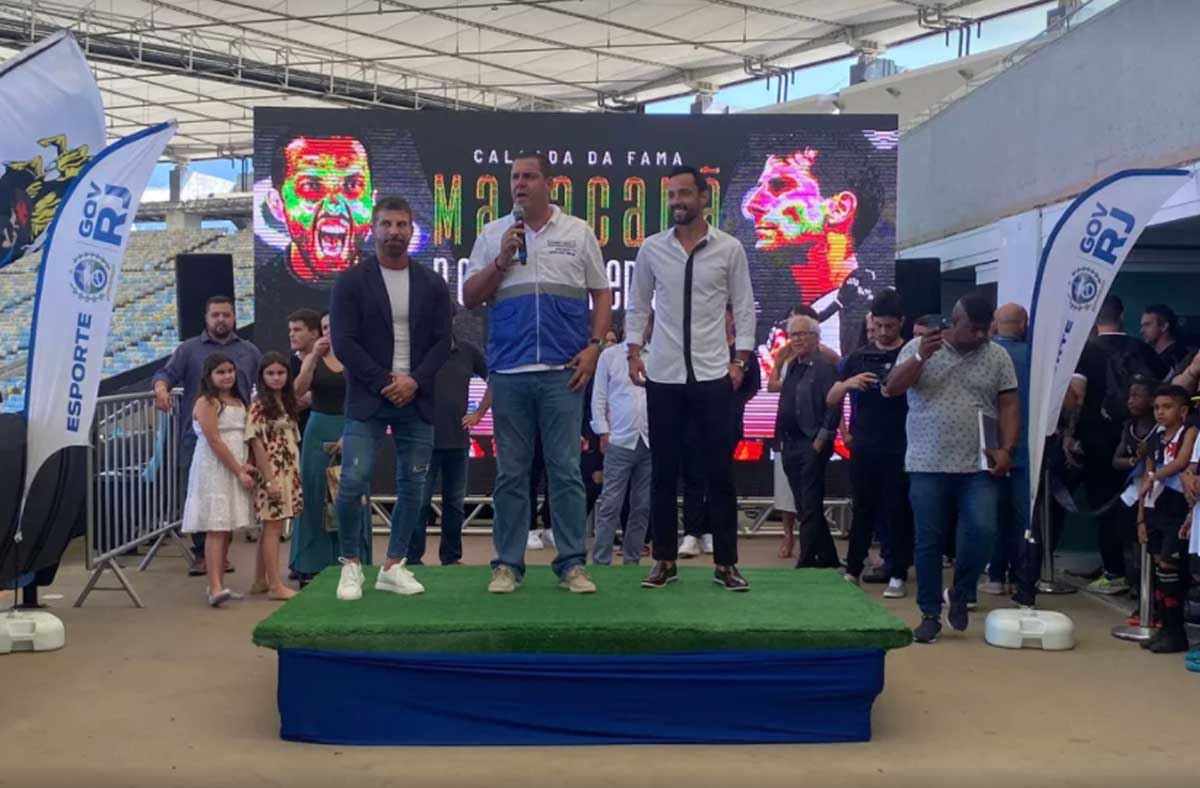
(338, 697)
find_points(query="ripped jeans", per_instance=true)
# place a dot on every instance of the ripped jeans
(413, 439)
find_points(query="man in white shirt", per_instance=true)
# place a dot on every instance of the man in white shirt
(691, 272)
(536, 276)
(619, 421)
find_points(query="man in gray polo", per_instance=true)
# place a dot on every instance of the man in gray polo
(955, 379)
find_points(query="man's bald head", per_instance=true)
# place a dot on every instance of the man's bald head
(1012, 321)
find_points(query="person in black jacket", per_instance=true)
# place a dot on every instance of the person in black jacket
(390, 324)
(806, 427)
(1109, 362)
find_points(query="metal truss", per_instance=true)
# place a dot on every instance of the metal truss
(152, 58)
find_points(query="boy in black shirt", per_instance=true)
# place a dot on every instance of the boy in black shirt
(877, 443)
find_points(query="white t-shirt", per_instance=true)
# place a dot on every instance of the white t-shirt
(397, 290)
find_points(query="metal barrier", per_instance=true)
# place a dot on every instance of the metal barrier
(134, 490)
(837, 512)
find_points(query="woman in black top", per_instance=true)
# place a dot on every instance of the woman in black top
(313, 547)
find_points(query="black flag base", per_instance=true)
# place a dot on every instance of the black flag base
(55, 509)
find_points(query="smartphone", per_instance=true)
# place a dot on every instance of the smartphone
(878, 363)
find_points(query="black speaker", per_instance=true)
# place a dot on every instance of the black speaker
(919, 282)
(199, 277)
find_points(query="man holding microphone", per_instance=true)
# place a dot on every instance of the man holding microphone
(536, 273)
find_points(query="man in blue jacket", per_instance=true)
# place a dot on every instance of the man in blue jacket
(536, 275)
(390, 325)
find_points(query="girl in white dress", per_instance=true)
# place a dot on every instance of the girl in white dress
(220, 480)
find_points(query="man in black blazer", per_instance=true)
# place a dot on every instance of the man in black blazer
(390, 325)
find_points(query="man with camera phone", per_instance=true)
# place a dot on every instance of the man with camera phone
(877, 443)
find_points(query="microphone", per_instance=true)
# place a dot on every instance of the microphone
(519, 222)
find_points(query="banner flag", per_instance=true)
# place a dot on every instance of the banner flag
(1081, 259)
(53, 121)
(76, 287)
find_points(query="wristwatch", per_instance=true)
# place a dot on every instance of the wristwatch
(740, 362)
(595, 341)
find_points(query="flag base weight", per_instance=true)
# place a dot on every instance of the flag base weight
(30, 630)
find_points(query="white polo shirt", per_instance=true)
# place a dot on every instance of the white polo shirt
(563, 263)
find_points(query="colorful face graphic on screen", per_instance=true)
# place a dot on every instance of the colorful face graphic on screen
(789, 211)
(327, 194)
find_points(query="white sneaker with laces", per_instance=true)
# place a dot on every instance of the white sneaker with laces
(399, 580)
(534, 542)
(708, 548)
(895, 589)
(690, 547)
(547, 537)
(351, 582)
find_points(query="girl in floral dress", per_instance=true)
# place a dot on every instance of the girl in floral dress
(273, 435)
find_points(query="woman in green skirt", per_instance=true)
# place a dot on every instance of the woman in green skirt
(313, 547)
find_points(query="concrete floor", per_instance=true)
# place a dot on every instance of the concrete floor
(175, 694)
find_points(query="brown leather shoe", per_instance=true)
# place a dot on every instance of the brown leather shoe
(730, 579)
(662, 574)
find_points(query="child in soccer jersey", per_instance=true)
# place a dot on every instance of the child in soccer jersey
(1162, 508)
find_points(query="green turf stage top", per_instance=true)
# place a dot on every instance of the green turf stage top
(785, 609)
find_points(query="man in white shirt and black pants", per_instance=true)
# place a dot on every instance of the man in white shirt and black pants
(619, 421)
(691, 272)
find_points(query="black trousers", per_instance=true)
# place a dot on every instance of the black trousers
(805, 470)
(880, 483)
(695, 515)
(1101, 483)
(672, 408)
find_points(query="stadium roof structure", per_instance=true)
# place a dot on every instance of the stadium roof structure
(208, 63)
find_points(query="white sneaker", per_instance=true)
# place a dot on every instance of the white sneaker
(351, 582)
(534, 542)
(895, 589)
(993, 588)
(547, 537)
(707, 538)
(398, 580)
(690, 547)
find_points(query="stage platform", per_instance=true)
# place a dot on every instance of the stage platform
(800, 658)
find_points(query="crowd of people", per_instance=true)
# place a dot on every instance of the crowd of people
(938, 467)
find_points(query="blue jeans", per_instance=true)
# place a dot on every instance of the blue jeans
(1012, 520)
(451, 465)
(524, 404)
(968, 499)
(413, 439)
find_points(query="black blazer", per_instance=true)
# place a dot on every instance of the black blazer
(360, 317)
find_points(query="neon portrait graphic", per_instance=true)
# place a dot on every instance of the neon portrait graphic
(803, 221)
(323, 193)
